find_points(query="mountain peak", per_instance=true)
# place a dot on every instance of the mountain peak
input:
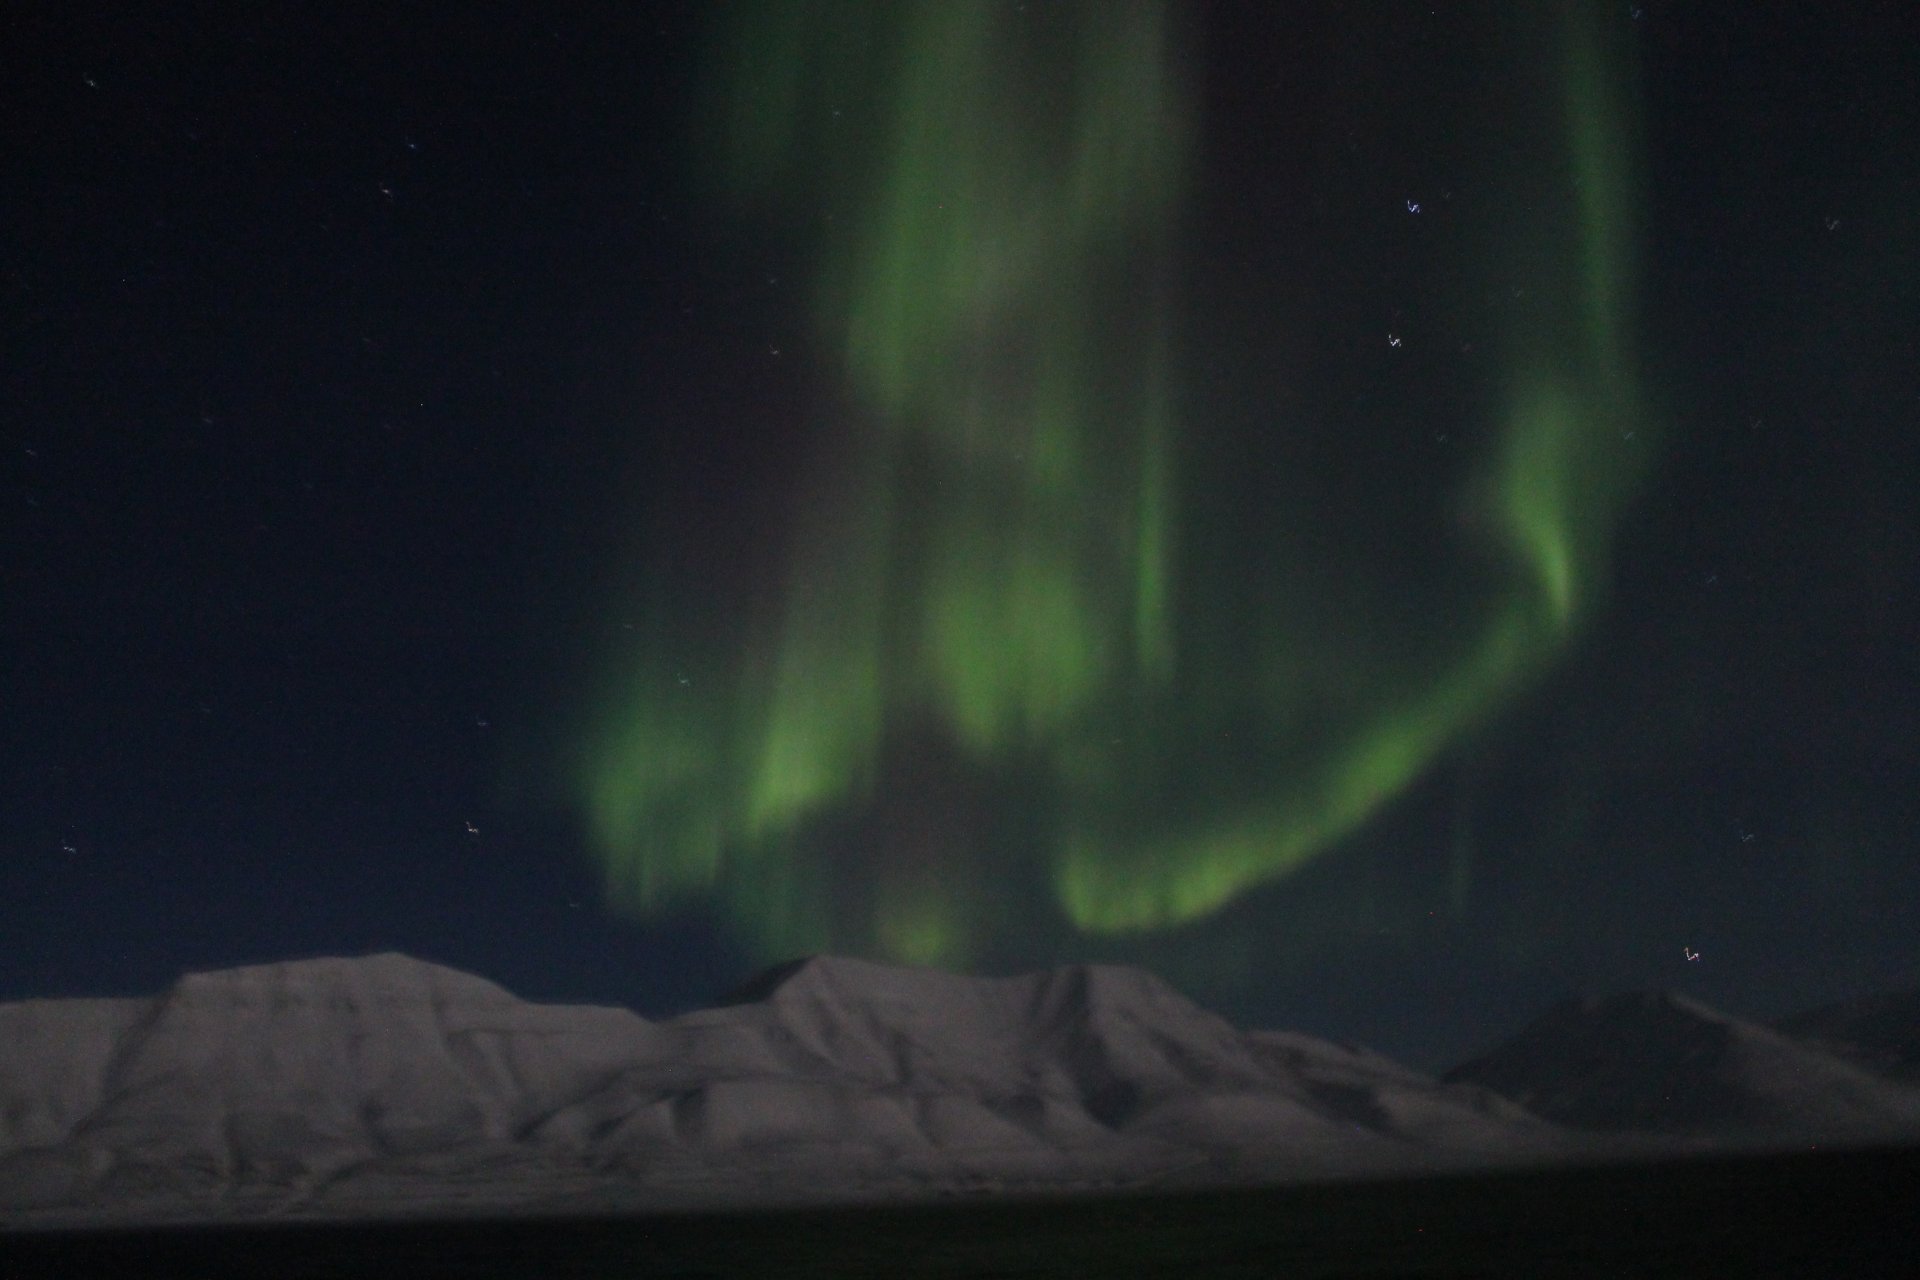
(814, 971)
(1644, 1003)
(336, 1083)
(1661, 1061)
(382, 976)
(1880, 1032)
(849, 978)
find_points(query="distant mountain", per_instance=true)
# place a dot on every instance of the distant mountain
(1661, 1063)
(383, 1084)
(281, 1074)
(1087, 1052)
(1880, 1033)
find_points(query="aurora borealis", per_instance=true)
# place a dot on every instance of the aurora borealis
(992, 561)
(1383, 514)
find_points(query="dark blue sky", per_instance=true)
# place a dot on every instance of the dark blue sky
(343, 358)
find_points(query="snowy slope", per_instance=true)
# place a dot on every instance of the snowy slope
(54, 1056)
(1879, 1033)
(384, 1084)
(1659, 1062)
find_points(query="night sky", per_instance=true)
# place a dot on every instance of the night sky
(1387, 514)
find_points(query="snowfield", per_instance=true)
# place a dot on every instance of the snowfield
(384, 1086)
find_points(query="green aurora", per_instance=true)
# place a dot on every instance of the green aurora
(997, 599)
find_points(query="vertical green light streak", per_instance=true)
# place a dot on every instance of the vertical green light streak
(988, 554)
(1559, 478)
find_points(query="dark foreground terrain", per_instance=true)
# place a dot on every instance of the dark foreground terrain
(1849, 1213)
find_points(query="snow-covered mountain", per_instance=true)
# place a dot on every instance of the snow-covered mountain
(1662, 1063)
(385, 1084)
(1880, 1033)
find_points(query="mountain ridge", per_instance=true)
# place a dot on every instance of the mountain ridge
(384, 1084)
(1659, 1061)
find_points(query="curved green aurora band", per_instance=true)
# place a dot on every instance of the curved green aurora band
(989, 554)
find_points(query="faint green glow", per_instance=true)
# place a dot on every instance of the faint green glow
(1559, 475)
(992, 544)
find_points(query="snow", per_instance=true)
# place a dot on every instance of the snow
(383, 1085)
(1880, 1033)
(1662, 1063)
